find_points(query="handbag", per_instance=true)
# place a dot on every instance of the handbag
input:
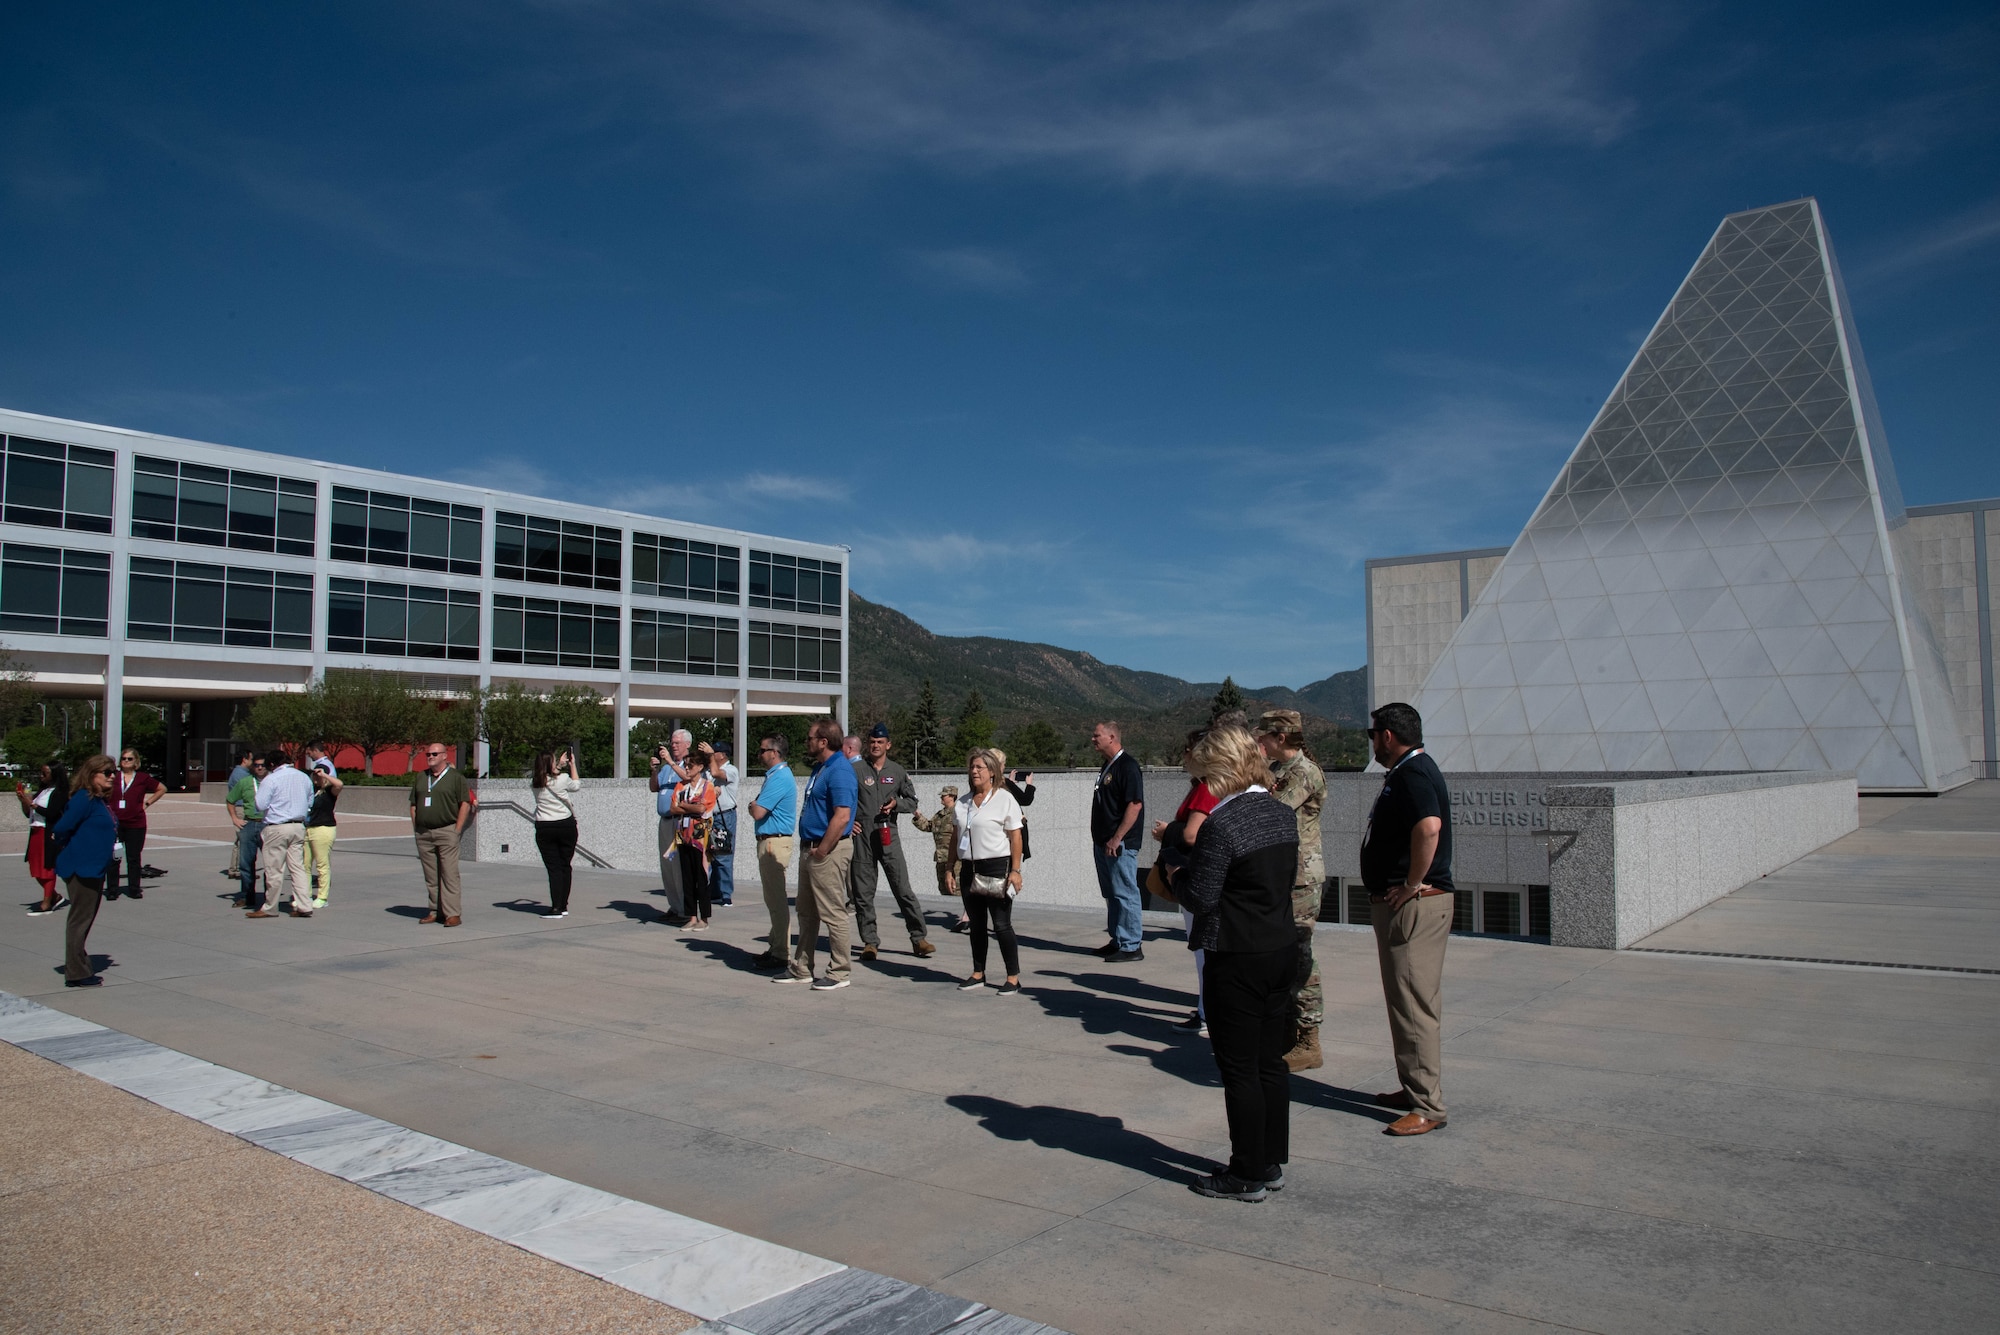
(719, 839)
(989, 887)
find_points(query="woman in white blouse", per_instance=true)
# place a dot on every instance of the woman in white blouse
(555, 823)
(989, 852)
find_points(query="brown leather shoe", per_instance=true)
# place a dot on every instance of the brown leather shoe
(259, 913)
(869, 952)
(1396, 1098)
(1411, 1124)
(453, 921)
(922, 949)
(428, 917)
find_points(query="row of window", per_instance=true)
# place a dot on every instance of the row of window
(47, 591)
(53, 485)
(222, 507)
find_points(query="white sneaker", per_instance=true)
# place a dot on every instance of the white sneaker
(319, 902)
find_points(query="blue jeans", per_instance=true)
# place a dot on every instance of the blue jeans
(249, 842)
(1118, 882)
(722, 873)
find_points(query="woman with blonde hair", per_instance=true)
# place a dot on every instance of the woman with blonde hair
(84, 839)
(1239, 888)
(989, 865)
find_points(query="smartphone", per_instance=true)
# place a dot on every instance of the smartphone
(1020, 776)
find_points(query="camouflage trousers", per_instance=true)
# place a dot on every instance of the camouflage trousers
(1308, 1002)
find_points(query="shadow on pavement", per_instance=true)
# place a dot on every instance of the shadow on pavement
(534, 906)
(1088, 1134)
(915, 972)
(408, 910)
(98, 964)
(638, 912)
(729, 956)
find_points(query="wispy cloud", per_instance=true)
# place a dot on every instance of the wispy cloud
(975, 267)
(729, 502)
(1936, 247)
(1345, 93)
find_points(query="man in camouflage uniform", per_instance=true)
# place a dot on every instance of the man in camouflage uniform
(943, 828)
(1299, 782)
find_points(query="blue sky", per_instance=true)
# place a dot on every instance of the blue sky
(1133, 328)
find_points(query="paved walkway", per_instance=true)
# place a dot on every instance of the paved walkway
(1638, 1142)
(119, 1216)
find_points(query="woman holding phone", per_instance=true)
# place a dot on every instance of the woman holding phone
(44, 809)
(555, 823)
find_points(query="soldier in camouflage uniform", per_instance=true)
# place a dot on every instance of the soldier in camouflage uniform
(943, 828)
(1299, 782)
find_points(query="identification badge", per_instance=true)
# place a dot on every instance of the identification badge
(121, 804)
(427, 800)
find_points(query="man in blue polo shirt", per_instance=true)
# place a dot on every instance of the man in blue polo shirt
(776, 811)
(826, 826)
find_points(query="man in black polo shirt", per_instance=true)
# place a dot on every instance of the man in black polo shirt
(1406, 865)
(1117, 824)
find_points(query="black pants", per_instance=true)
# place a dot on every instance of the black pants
(978, 908)
(555, 840)
(134, 839)
(694, 882)
(85, 893)
(1248, 998)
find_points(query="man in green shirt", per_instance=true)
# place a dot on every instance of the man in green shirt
(440, 801)
(241, 804)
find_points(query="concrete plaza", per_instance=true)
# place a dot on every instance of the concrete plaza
(1638, 1141)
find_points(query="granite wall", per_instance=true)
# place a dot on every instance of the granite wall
(1630, 857)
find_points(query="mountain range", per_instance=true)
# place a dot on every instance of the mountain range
(1023, 682)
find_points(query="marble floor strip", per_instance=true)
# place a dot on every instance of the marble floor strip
(740, 1285)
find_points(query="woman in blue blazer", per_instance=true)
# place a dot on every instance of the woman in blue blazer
(83, 839)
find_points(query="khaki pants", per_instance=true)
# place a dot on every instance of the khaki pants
(319, 858)
(1409, 943)
(774, 859)
(284, 860)
(438, 851)
(823, 887)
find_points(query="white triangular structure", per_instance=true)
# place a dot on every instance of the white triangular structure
(1716, 580)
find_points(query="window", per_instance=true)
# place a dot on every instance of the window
(222, 507)
(44, 591)
(688, 643)
(387, 530)
(794, 583)
(700, 572)
(794, 653)
(190, 603)
(551, 551)
(541, 630)
(57, 485)
(406, 621)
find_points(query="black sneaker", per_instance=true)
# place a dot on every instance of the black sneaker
(1010, 989)
(1229, 1187)
(1108, 949)
(828, 984)
(1125, 957)
(92, 981)
(1275, 1179)
(972, 985)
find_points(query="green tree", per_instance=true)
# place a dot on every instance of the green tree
(145, 731)
(975, 728)
(374, 712)
(1033, 745)
(18, 696)
(30, 746)
(926, 737)
(1229, 698)
(517, 721)
(284, 718)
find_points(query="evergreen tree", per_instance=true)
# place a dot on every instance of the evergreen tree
(975, 728)
(1227, 699)
(926, 730)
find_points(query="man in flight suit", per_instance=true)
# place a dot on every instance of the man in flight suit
(885, 792)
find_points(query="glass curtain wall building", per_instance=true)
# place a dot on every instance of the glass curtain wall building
(136, 566)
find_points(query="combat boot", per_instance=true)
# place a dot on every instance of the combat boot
(1305, 1055)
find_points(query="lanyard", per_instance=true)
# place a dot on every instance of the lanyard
(1369, 832)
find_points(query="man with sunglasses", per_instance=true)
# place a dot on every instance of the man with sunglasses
(1406, 865)
(133, 791)
(440, 801)
(775, 810)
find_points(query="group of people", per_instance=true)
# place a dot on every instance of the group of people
(285, 828)
(1241, 857)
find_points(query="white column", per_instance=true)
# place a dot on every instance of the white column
(742, 732)
(621, 729)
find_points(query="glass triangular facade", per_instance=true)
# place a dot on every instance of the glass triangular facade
(1714, 581)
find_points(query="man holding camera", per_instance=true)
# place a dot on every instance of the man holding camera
(885, 791)
(670, 768)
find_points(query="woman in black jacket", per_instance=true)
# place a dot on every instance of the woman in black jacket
(1239, 888)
